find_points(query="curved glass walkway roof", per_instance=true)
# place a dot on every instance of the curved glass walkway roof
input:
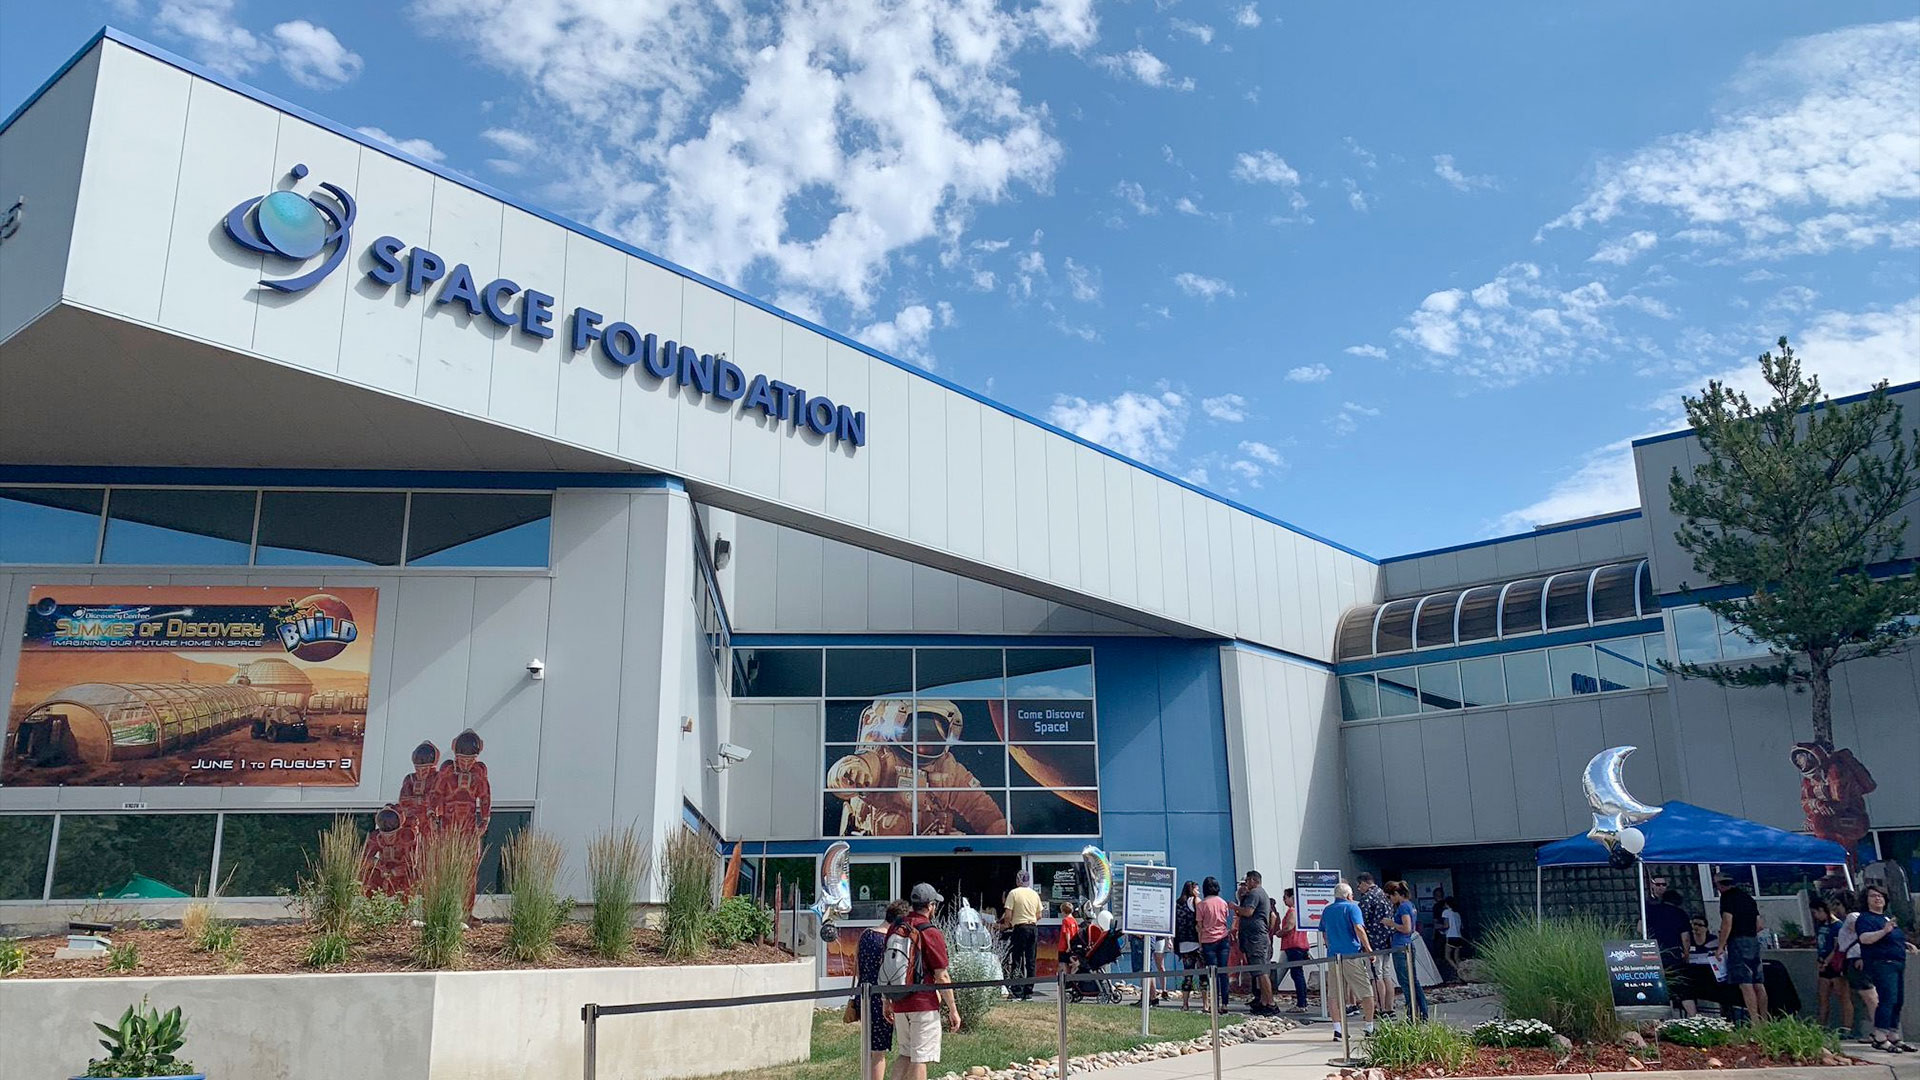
(1567, 600)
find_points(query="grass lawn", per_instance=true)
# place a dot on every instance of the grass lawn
(1015, 1031)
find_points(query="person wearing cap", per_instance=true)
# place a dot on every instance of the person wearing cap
(1021, 915)
(916, 1016)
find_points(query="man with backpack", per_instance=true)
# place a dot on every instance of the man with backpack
(916, 954)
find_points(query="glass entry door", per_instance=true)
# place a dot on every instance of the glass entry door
(873, 881)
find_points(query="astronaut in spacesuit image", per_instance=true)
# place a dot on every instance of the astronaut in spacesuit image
(906, 750)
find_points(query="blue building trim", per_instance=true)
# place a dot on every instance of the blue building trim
(1529, 643)
(1278, 654)
(163, 476)
(1848, 400)
(111, 34)
(1548, 530)
(1683, 597)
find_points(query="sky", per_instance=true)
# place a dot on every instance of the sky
(1406, 275)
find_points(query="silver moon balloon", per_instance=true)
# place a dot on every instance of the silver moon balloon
(1614, 808)
(1099, 871)
(836, 895)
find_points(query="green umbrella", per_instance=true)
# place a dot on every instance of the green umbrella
(142, 887)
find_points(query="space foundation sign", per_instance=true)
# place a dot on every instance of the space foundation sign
(296, 230)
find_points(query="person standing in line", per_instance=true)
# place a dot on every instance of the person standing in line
(1344, 927)
(1379, 918)
(1656, 888)
(1830, 962)
(1440, 905)
(1405, 929)
(1069, 929)
(1210, 919)
(1293, 942)
(1186, 938)
(1883, 950)
(1256, 940)
(873, 946)
(1021, 916)
(916, 1016)
(1453, 926)
(1740, 926)
(1667, 922)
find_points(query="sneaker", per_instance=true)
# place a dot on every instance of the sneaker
(1336, 1033)
(1369, 1029)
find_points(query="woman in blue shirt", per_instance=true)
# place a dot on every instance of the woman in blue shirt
(1883, 950)
(1406, 920)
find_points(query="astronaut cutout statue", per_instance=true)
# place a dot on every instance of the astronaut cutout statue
(906, 750)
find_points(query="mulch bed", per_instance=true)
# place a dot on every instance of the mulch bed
(278, 948)
(1493, 1061)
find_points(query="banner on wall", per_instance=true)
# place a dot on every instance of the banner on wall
(933, 767)
(206, 685)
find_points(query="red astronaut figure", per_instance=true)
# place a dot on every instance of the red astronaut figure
(416, 803)
(387, 866)
(911, 748)
(463, 798)
(1833, 792)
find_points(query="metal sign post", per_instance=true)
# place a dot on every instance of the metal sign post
(1313, 890)
(1146, 912)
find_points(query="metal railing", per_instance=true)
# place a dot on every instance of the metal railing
(868, 995)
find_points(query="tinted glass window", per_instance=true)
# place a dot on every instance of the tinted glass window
(1481, 682)
(264, 854)
(1396, 626)
(454, 529)
(1736, 645)
(1527, 677)
(1695, 635)
(106, 854)
(1436, 621)
(24, 840)
(869, 672)
(1478, 609)
(500, 828)
(776, 673)
(1567, 600)
(1573, 670)
(1398, 696)
(959, 673)
(1622, 664)
(1358, 699)
(179, 527)
(1439, 687)
(1356, 632)
(50, 525)
(1049, 673)
(1648, 602)
(1521, 613)
(1613, 592)
(1656, 645)
(330, 528)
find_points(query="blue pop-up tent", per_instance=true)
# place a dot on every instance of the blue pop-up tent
(1685, 833)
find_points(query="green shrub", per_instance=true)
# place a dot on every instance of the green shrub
(1697, 1031)
(378, 911)
(1511, 1033)
(688, 866)
(330, 886)
(143, 1043)
(123, 958)
(531, 861)
(326, 950)
(1792, 1038)
(13, 956)
(974, 965)
(738, 920)
(1554, 972)
(445, 864)
(616, 862)
(1398, 1045)
(219, 936)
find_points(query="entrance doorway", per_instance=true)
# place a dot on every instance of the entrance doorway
(982, 879)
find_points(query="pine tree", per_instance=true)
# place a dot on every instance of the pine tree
(1800, 505)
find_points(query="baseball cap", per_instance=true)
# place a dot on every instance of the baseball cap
(924, 894)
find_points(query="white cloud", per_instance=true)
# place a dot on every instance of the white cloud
(1355, 197)
(1145, 427)
(1267, 167)
(1187, 206)
(1145, 68)
(991, 246)
(983, 280)
(419, 148)
(1365, 155)
(806, 144)
(1518, 325)
(1603, 481)
(1207, 288)
(1135, 196)
(1227, 408)
(313, 57)
(1371, 352)
(1622, 250)
(1444, 168)
(1309, 373)
(1820, 140)
(1083, 283)
(211, 32)
(1262, 453)
(1346, 419)
(518, 144)
(1247, 16)
(905, 335)
(1200, 32)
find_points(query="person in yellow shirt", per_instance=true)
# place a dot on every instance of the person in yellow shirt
(1021, 916)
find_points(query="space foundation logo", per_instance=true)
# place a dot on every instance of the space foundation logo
(297, 228)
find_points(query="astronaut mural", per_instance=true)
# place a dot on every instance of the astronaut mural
(1833, 792)
(936, 767)
(436, 796)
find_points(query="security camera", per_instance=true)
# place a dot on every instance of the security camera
(734, 755)
(537, 668)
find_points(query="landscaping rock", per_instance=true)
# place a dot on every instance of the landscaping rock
(1044, 1069)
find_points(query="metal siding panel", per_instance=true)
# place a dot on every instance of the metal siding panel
(380, 325)
(1063, 513)
(1123, 557)
(1266, 586)
(798, 600)
(456, 346)
(1405, 774)
(1489, 777)
(840, 480)
(1443, 745)
(1246, 579)
(926, 491)
(756, 575)
(1874, 708)
(1558, 551)
(1189, 521)
(1539, 780)
(936, 601)
(844, 572)
(797, 773)
(1600, 543)
(1477, 566)
(1096, 565)
(1627, 720)
(116, 259)
(889, 593)
(1514, 559)
(588, 385)
(1760, 759)
(997, 489)
(1286, 579)
(1654, 465)
(754, 439)
(750, 783)
(304, 328)
(432, 670)
(1366, 787)
(1577, 734)
(891, 468)
(1706, 739)
(503, 704)
(1030, 500)
(1320, 634)
(966, 510)
(226, 156)
(1144, 525)
(1312, 607)
(981, 610)
(649, 417)
(705, 446)
(1220, 570)
(526, 372)
(1023, 614)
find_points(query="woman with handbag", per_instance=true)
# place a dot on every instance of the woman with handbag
(1294, 945)
(1831, 965)
(873, 947)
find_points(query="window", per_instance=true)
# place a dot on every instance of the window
(50, 525)
(500, 828)
(1656, 645)
(778, 876)
(869, 673)
(263, 854)
(108, 855)
(762, 673)
(1622, 664)
(1735, 644)
(1520, 613)
(1398, 696)
(1356, 632)
(1567, 600)
(961, 673)
(1527, 677)
(1573, 670)
(1435, 621)
(1479, 611)
(1614, 591)
(1395, 633)
(1359, 700)
(457, 529)
(1696, 635)
(1049, 673)
(24, 842)
(330, 528)
(1481, 682)
(1439, 687)
(179, 527)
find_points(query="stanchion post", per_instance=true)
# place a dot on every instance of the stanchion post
(1413, 982)
(1213, 1015)
(1339, 1008)
(590, 1016)
(866, 1030)
(1060, 982)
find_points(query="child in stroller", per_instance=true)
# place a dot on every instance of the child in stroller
(1093, 950)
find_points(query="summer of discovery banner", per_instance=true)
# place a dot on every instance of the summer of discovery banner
(168, 684)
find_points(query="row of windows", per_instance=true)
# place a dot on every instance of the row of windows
(1563, 601)
(131, 526)
(947, 673)
(1630, 663)
(1701, 637)
(110, 855)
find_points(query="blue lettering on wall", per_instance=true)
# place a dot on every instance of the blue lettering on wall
(459, 287)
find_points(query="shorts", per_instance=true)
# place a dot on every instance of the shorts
(1380, 967)
(1257, 950)
(1743, 961)
(1356, 974)
(1857, 977)
(917, 1036)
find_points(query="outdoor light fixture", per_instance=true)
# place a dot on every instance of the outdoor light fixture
(722, 552)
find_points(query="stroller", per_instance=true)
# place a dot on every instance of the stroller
(1094, 960)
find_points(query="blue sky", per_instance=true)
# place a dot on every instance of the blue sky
(1406, 275)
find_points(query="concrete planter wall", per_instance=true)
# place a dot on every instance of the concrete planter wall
(466, 1025)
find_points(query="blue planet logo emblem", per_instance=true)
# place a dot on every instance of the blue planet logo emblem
(296, 227)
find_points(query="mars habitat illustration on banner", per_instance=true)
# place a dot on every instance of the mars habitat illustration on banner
(211, 685)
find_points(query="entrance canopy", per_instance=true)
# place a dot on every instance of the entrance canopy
(1685, 833)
